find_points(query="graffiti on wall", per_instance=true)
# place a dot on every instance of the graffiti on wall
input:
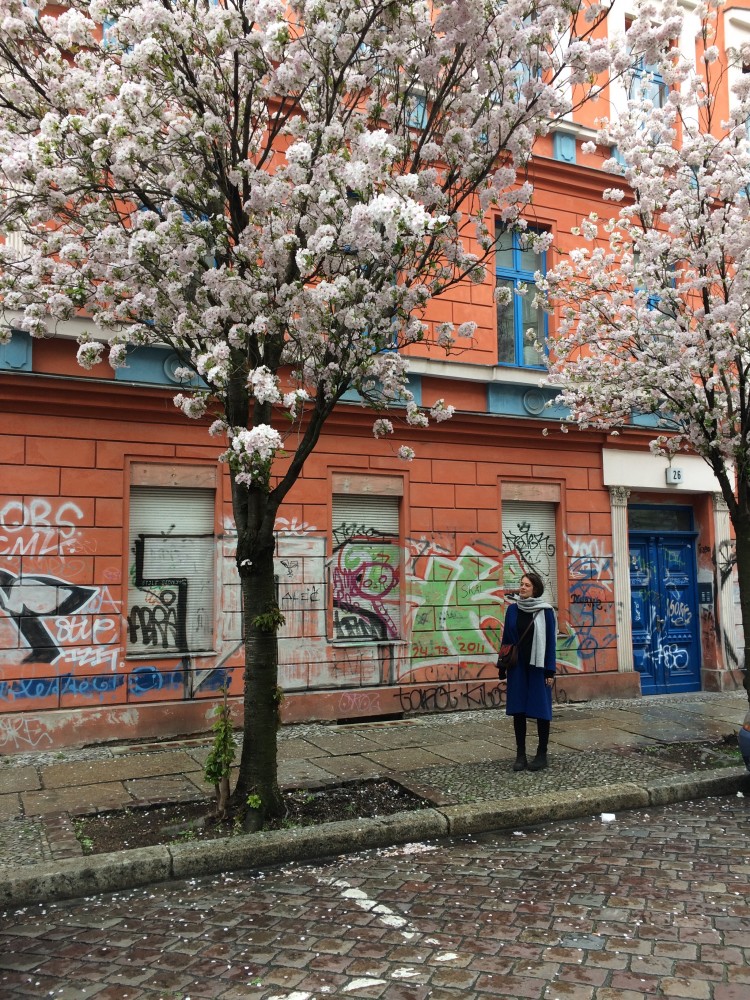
(366, 582)
(453, 601)
(536, 551)
(40, 527)
(31, 601)
(591, 595)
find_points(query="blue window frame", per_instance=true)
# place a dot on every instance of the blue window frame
(648, 83)
(417, 110)
(520, 324)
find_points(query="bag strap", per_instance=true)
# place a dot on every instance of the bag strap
(522, 637)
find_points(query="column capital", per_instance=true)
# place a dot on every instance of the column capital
(618, 496)
(719, 502)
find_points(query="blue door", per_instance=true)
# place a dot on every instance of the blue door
(666, 641)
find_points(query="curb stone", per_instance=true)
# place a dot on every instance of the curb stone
(76, 877)
(306, 843)
(679, 788)
(502, 814)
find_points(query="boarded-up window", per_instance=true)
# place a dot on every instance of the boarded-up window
(529, 543)
(366, 568)
(171, 570)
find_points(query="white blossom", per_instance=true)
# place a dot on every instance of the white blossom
(264, 385)
(261, 440)
(118, 355)
(439, 411)
(192, 406)
(381, 427)
(89, 354)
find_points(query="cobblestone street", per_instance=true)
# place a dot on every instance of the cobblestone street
(652, 903)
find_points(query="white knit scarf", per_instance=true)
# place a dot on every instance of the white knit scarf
(539, 638)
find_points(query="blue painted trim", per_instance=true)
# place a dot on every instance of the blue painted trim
(645, 419)
(413, 384)
(15, 356)
(154, 366)
(564, 147)
(512, 400)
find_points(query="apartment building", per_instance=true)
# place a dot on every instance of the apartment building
(119, 601)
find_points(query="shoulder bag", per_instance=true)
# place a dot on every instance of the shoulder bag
(508, 655)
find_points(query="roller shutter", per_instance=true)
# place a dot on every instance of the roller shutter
(171, 583)
(366, 568)
(530, 542)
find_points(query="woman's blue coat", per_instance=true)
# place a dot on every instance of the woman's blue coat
(528, 693)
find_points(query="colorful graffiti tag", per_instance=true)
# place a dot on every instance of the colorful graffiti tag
(366, 581)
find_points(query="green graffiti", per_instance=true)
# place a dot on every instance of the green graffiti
(454, 606)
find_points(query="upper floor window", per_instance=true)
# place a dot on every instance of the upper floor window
(736, 39)
(521, 325)
(648, 84)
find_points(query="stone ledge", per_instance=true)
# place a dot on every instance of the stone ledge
(679, 788)
(304, 843)
(503, 813)
(74, 877)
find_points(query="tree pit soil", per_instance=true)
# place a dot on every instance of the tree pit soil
(178, 822)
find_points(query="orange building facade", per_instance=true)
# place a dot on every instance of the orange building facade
(119, 601)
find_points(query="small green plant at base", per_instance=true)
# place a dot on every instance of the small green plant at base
(219, 761)
(254, 801)
(184, 835)
(87, 844)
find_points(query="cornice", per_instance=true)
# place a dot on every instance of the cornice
(63, 395)
(83, 398)
(549, 174)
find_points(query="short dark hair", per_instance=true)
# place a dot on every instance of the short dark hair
(536, 581)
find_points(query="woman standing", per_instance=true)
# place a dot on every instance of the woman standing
(530, 623)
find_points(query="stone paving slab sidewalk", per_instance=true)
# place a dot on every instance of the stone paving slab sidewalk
(609, 755)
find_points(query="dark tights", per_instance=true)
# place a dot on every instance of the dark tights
(542, 728)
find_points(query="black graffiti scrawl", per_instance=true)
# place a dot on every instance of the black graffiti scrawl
(27, 600)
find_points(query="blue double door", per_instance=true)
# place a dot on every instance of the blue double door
(664, 606)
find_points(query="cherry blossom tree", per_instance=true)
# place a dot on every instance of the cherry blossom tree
(655, 302)
(276, 191)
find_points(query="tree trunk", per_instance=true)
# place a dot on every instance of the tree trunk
(257, 769)
(742, 547)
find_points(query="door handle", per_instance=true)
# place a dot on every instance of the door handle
(659, 622)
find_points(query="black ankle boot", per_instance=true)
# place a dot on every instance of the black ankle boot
(520, 763)
(539, 762)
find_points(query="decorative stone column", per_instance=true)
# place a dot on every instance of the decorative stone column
(727, 622)
(618, 499)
